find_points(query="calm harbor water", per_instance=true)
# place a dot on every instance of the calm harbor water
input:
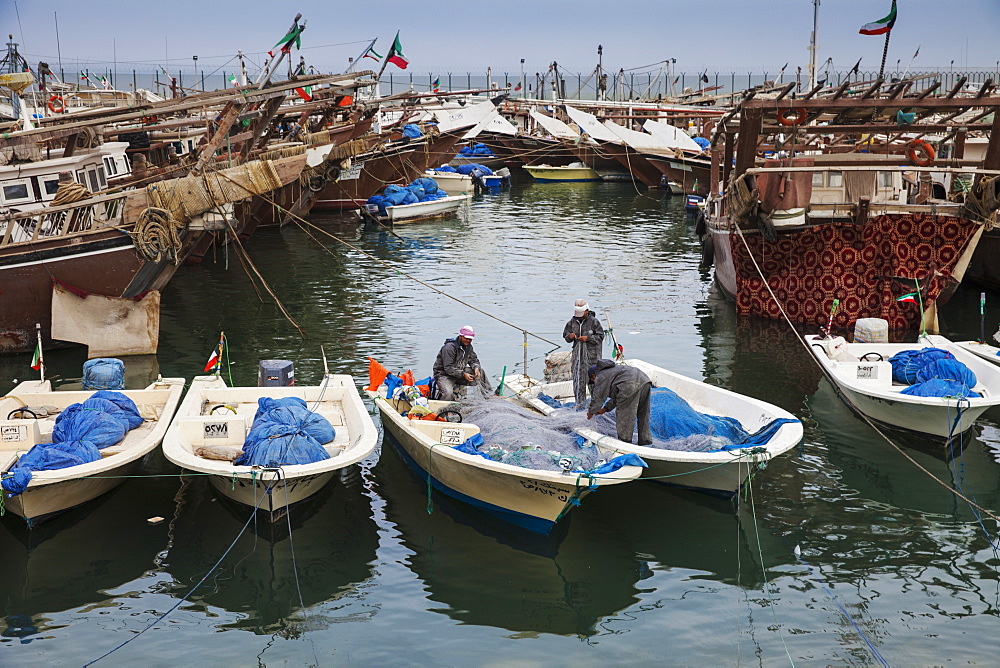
(890, 566)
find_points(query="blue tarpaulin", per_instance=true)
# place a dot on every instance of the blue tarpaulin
(477, 150)
(932, 372)
(80, 432)
(472, 166)
(285, 432)
(412, 131)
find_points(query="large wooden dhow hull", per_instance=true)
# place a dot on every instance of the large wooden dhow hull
(89, 246)
(397, 164)
(693, 175)
(864, 267)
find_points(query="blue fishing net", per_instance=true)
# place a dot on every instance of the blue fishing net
(472, 166)
(932, 372)
(80, 432)
(285, 432)
(412, 131)
(477, 150)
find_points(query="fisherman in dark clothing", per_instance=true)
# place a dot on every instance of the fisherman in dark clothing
(584, 331)
(456, 366)
(626, 389)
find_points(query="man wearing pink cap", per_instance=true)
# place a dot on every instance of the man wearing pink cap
(456, 366)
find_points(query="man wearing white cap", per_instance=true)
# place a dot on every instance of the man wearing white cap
(584, 331)
(456, 366)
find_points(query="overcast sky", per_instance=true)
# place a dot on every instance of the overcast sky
(467, 35)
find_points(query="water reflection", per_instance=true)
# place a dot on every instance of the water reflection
(484, 572)
(73, 559)
(332, 547)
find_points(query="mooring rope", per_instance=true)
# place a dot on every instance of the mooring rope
(184, 598)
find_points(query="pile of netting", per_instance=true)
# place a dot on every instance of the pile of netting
(675, 425)
(481, 170)
(477, 150)
(423, 189)
(513, 435)
(932, 372)
(81, 431)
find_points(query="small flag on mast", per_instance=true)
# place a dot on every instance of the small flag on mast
(36, 359)
(911, 298)
(370, 52)
(883, 25)
(436, 85)
(215, 360)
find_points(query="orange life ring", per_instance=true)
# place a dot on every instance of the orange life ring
(57, 104)
(921, 153)
(786, 117)
(506, 106)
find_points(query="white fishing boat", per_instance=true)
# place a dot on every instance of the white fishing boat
(211, 428)
(863, 377)
(27, 418)
(720, 472)
(530, 498)
(452, 183)
(981, 349)
(410, 213)
(576, 171)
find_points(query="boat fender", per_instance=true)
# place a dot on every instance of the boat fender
(921, 153)
(57, 104)
(707, 252)
(791, 117)
(315, 183)
(332, 172)
(700, 225)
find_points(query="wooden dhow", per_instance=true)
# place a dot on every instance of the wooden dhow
(818, 205)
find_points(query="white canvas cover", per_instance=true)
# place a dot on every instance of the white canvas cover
(463, 117)
(671, 136)
(589, 124)
(640, 141)
(554, 126)
(492, 122)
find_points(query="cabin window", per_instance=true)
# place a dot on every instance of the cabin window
(817, 179)
(81, 177)
(178, 147)
(102, 178)
(836, 180)
(109, 166)
(17, 192)
(885, 179)
(49, 188)
(190, 145)
(94, 185)
(124, 164)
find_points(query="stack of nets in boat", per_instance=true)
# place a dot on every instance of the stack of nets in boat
(520, 437)
(675, 425)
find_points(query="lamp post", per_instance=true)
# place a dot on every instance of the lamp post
(195, 71)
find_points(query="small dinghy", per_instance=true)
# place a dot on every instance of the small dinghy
(723, 439)
(270, 447)
(61, 449)
(933, 388)
(515, 469)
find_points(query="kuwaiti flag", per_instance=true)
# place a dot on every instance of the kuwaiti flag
(370, 52)
(911, 298)
(216, 358)
(36, 359)
(396, 56)
(233, 80)
(305, 93)
(436, 84)
(883, 25)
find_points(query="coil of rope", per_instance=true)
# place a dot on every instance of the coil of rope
(69, 193)
(157, 235)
